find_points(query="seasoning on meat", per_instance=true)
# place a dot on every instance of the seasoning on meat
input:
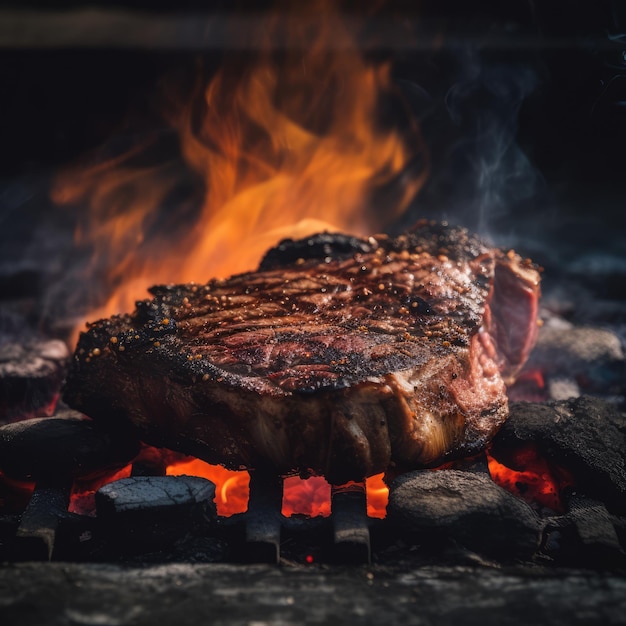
(339, 356)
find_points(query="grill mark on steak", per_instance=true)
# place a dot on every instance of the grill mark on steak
(361, 355)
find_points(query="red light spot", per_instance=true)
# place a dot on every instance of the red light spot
(309, 558)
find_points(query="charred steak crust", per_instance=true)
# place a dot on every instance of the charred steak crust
(339, 356)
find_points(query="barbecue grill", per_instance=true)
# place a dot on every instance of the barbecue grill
(521, 128)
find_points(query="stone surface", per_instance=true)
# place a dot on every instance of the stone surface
(183, 594)
(593, 523)
(586, 436)
(55, 448)
(31, 373)
(571, 350)
(594, 356)
(562, 388)
(466, 507)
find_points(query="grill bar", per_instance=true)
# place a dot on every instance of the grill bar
(264, 519)
(350, 524)
(40, 522)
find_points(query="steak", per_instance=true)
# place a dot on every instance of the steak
(339, 356)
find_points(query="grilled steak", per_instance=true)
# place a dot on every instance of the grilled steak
(339, 356)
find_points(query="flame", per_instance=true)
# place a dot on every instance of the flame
(530, 386)
(279, 144)
(284, 145)
(532, 477)
(231, 488)
(377, 496)
(310, 497)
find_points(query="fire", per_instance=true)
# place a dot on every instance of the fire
(310, 497)
(280, 144)
(532, 477)
(377, 496)
(306, 497)
(231, 488)
(83, 493)
(284, 145)
(530, 386)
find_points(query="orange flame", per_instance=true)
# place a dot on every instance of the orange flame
(377, 496)
(231, 488)
(285, 144)
(310, 497)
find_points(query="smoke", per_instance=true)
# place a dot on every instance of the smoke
(480, 175)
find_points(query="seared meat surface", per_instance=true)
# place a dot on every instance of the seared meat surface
(339, 356)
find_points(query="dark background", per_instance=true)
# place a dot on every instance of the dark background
(58, 102)
(522, 105)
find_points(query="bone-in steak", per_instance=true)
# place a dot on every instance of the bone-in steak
(339, 356)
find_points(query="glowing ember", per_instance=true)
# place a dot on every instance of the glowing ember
(530, 386)
(49, 409)
(14, 494)
(82, 497)
(310, 497)
(232, 489)
(536, 376)
(306, 497)
(531, 477)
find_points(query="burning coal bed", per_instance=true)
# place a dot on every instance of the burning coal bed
(539, 519)
(550, 489)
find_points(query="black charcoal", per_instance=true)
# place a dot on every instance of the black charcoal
(465, 507)
(141, 493)
(586, 536)
(593, 523)
(143, 512)
(55, 448)
(592, 356)
(585, 436)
